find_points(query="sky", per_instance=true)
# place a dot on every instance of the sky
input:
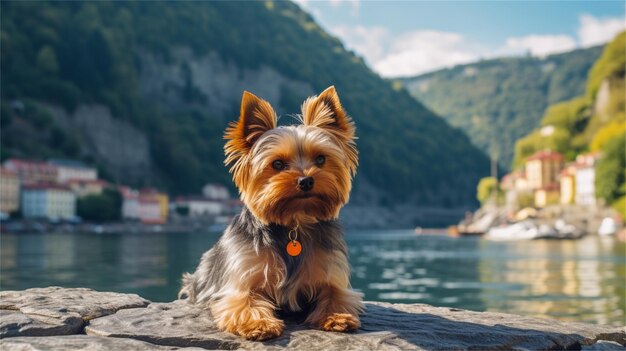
(407, 38)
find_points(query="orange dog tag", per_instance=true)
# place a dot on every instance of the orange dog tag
(294, 248)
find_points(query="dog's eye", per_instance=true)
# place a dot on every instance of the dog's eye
(278, 165)
(319, 160)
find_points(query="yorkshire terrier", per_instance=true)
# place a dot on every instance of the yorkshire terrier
(285, 252)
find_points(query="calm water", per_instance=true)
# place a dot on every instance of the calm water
(569, 280)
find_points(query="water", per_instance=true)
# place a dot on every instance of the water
(569, 280)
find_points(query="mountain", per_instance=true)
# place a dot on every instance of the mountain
(595, 121)
(497, 101)
(144, 90)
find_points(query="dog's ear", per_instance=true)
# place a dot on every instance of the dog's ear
(325, 111)
(256, 117)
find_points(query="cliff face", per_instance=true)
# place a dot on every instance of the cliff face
(76, 319)
(172, 76)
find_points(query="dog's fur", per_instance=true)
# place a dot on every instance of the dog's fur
(248, 277)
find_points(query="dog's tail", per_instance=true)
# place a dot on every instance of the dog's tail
(188, 288)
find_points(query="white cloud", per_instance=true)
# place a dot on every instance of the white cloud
(422, 51)
(416, 52)
(596, 31)
(370, 42)
(540, 45)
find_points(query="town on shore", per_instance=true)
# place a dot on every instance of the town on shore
(546, 198)
(68, 194)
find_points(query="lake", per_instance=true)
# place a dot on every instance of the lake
(580, 280)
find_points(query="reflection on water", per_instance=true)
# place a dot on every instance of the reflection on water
(570, 280)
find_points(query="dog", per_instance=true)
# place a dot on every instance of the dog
(285, 252)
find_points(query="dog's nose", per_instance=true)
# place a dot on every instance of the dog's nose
(305, 183)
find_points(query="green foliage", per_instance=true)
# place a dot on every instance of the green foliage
(498, 101)
(406, 149)
(105, 207)
(489, 189)
(526, 199)
(610, 178)
(612, 63)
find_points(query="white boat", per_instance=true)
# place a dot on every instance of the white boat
(607, 227)
(525, 230)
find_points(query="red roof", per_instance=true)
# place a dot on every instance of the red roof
(45, 186)
(546, 155)
(30, 165)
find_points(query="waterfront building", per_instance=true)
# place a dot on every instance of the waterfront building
(585, 179)
(568, 185)
(71, 169)
(543, 169)
(48, 200)
(215, 192)
(9, 191)
(130, 203)
(548, 195)
(162, 198)
(29, 171)
(149, 209)
(84, 187)
(199, 206)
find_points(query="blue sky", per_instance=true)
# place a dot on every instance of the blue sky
(399, 38)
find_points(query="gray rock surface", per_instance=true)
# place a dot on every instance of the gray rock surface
(128, 322)
(384, 326)
(80, 342)
(58, 311)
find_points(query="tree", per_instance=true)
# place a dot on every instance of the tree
(47, 60)
(610, 170)
(487, 187)
(105, 207)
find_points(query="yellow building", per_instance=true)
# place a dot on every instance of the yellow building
(9, 191)
(548, 195)
(568, 185)
(47, 200)
(543, 169)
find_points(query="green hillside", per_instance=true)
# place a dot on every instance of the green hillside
(497, 101)
(592, 122)
(72, 54)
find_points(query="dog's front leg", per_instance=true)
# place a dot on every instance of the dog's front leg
(336, 309)
(248, 314)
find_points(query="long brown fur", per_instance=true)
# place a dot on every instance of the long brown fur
(247, 276)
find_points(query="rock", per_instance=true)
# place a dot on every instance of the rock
(58, 311)
(177, 324)
(384, 326)
(128, 322)
(80, 342)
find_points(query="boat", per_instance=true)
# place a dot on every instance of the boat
(525, 230)
(608, 227)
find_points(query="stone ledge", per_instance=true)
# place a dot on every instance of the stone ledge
(129, 322)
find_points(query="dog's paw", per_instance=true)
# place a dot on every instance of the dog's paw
(261, 329)
(341, 322)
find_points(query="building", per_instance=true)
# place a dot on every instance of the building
(568, 185)
(30, 172)
(543, 169)
(71, 169)
(84, 187)
(215, 192)
(149, 209)
(548, 195)
(48, 200)
(162, 198)
(9, 191)
(130, 203)
(585, 179)
(199, 206)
